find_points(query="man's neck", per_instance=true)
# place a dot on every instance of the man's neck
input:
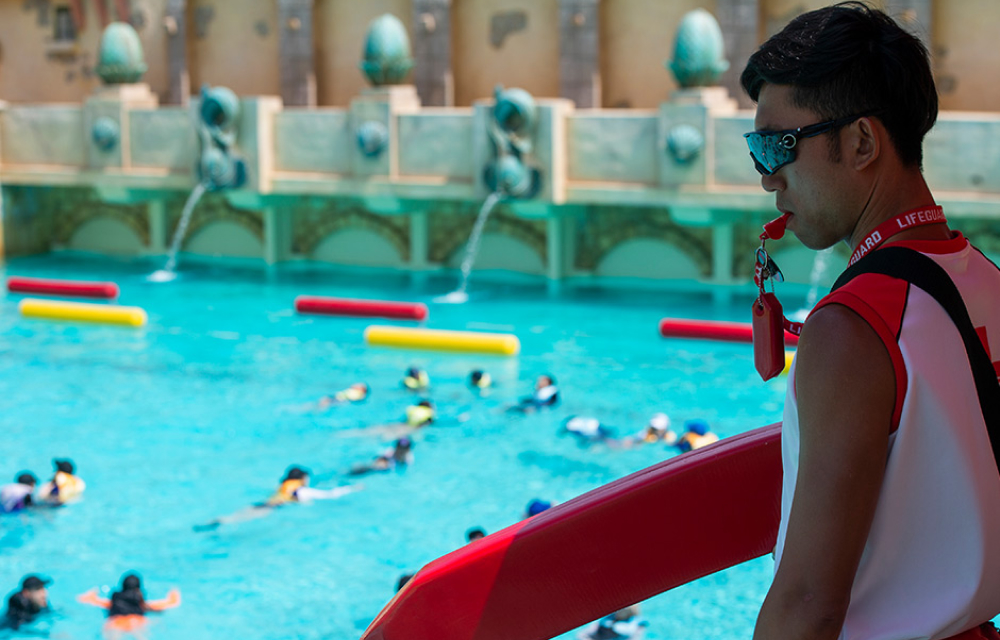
(891, 195)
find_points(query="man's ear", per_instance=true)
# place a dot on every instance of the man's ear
(865, 142)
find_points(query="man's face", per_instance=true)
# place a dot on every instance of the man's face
(821, 194)
(38, 597)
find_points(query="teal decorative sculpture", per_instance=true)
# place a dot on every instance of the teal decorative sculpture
(120, 59)
(387, 57)
(219, 166)
(105, 133)
(510, 129)
(373, 138)
(699, 54)
(685, 142)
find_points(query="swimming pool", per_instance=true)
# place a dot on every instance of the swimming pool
(200, 413)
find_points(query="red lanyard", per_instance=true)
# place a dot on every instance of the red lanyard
(889, 228)
(765, 268)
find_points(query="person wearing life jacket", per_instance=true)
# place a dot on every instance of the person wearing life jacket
(127, 607)
(480, 380)
(16, 496)
(64, 486)
(397, 457)
(420, 414)
(545, 394)
(416, 379)
(294, 488)
(696, 436)
(658, 430)
(624, 624)
(357, 392)
(586, 429)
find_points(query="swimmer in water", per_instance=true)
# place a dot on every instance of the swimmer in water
(357, 392)
(658, 430)
(475, 533)
(28, 604)
(127, 607)
(546, 394)
(416, 379)
(696, 436)
(397, 458)
(587, 430)
(537, 506)
(480, 381)
(64, 487)
(294, 488)
(624, 624)
(16, 496)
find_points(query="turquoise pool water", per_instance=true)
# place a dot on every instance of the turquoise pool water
(200, 413)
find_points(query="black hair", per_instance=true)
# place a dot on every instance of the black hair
(475, 533)
(27, 478)
(851, 59)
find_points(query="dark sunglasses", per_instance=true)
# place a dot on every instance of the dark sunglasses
(771, 150)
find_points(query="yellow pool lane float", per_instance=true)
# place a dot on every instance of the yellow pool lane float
(503, 344)
(82, 312)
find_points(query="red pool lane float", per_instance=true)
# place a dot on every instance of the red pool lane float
(713, 330)
(365, 308)
(73, 288)
(619, 544)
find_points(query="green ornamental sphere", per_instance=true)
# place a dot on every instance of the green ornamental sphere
(699, 54)
(387, 57)
(120, 59)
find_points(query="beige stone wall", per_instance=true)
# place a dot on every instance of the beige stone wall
(964, 47)
(525, 57)
(636, 39)
(339, 30)
(234, 44)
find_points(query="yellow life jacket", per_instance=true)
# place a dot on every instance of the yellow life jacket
(419, 382)
(69, 485)
(351, 394)
(697, 442)
(484, 381)
(285, 493)
(418, 415)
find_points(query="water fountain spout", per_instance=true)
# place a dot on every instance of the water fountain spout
(459, 295)
(167, 273)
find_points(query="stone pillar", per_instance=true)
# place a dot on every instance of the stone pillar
(175, 24)
(916, 16)
(419, 240)
(740, 24)
(157, 211)
(579, 59)
(298, 72)
(277, 234)
(432, 52)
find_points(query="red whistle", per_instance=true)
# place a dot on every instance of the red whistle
(775, 229)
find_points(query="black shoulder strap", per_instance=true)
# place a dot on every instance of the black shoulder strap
(921, 271)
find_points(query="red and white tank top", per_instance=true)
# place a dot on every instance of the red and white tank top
(931, 565)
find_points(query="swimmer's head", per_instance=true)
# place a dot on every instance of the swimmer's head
(403, 443)
(425, 403)
(360, 386)
(66, 466)
(296, 473)
(659, 422)
(697, 427)
(131, 581)
(537, 506)
(27, 478)
(33, 588)
(544, 380)
(475, 533)
(480, 379)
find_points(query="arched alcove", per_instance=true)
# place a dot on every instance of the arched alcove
(224, 238)
(358, 247)
(498, 251)
(106, 235)
(647, 258)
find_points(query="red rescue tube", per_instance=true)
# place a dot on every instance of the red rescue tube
(77, 288)
(713, 330)
(700, 512)
(366, 308)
